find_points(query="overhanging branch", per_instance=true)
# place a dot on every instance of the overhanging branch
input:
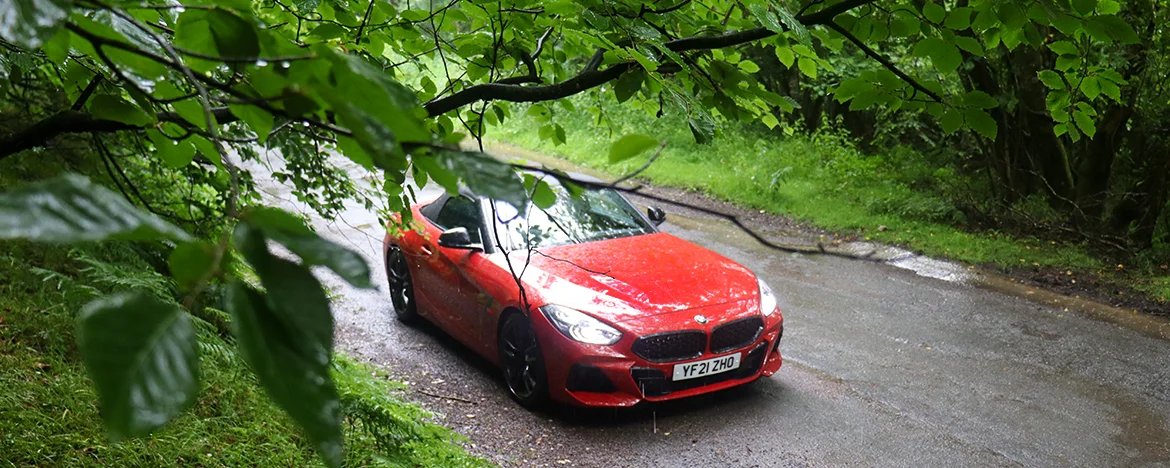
(883, 60)
(73, 121)
(590, 77)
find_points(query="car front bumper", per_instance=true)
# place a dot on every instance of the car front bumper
(614, 376)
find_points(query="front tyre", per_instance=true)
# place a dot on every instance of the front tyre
(401, 286)
(523, 363)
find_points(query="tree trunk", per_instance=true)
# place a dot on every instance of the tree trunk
(1096, 163)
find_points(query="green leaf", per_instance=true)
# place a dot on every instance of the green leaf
(1059, 115)
(934, 12)
(327, 31)
(1057, 98)
(952, 119)
(767, 18)
(1110, 89)
(1084, 7)
(175, 153)
(980, 100)
(786, 56)
(959, 19)
(703, 129)
(378, 142)
(865, 99)
(629, 146)
(1111, 75)
(748, 66)
(234, 37)
(485, 176)
(547, 132)
(366, 87)
(260, 120)
(1068, 62)
(191, 110)
(70, 208)
(208, 149)
(1067, 24)
(193, 33)
(143, 357)
(1098, 31)
(981, 122)
(1085, 122)
(985, 18)
(1117, 27)
(543, 196)
(305, 6)
(1011, 15)
(29, 23)
(290, 231)
(626, 86)
(943, 54)
(970, 44)
(287, 340)
(850, 88)
(110, 107)
(191, 262)
(794, 26)
(57, 49)
(770, 120)
(1051, 79)
(539, 111)
(808, 67)
(1064, 48)
(561, 137)
(1091, 87)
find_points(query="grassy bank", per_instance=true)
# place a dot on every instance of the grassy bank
(822, 179)
(48, 408)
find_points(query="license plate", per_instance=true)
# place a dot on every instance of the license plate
(694, 370)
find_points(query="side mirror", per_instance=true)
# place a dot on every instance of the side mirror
(656, 215)
(458, 238)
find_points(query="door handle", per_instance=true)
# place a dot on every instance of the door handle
(426, 250)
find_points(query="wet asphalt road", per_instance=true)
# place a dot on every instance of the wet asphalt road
(884, 367)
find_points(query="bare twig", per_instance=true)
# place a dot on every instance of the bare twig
(883, 60)
(819, 249)
(86, 93)
(445, 397)
(640, 169)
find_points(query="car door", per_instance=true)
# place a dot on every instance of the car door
(458, 302)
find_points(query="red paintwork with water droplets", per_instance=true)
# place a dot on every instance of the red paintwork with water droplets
(640, 285)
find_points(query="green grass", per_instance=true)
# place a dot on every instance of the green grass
(48, 408)
(822, 179)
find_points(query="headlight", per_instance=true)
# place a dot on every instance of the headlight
(767, 298)
(580, 327)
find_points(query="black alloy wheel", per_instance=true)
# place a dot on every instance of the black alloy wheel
(523, 362)
(401, 286)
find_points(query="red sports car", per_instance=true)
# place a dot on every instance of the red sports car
(584, 302)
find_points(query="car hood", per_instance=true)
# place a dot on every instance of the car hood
(631, 277)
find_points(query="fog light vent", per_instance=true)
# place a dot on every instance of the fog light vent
(586, 378)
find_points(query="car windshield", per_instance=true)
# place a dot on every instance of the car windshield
(596, 215)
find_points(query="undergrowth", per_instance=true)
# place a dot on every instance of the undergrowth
(49, 412)
(898, 196)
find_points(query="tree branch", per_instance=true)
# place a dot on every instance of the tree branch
(818, 249)
(883, 60)
(590, 77)
(87, 92)
(72, 121)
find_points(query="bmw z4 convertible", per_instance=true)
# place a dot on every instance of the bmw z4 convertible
(585, 302)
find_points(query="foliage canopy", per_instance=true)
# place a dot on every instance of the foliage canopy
(201, 83)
